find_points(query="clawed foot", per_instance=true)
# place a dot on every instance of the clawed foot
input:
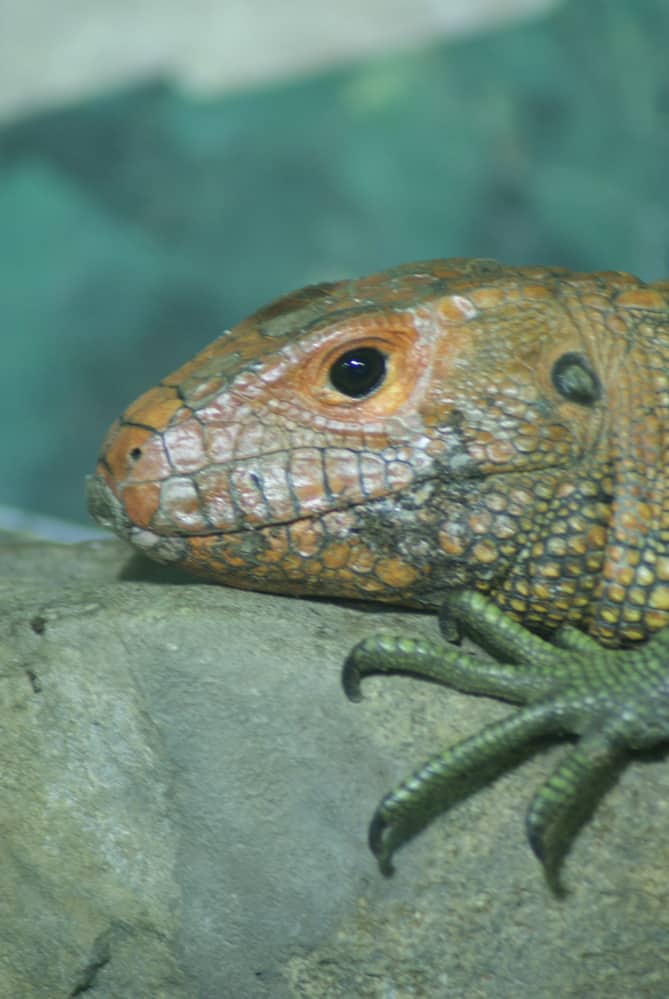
(613, 701)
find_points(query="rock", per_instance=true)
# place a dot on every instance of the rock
(185, 793)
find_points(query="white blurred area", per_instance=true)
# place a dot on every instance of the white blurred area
(57, 51)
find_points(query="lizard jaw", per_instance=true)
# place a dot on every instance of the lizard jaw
(108, 511)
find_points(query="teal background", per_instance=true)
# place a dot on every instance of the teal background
(135, 227)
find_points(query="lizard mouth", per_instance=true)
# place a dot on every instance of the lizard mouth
(298, 556)
(105, 507)
(108, 511)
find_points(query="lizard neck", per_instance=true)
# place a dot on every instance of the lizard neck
(633, 598)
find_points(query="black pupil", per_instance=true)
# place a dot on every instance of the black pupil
(358, 372)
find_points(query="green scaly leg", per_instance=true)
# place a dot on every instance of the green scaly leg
(613, 701)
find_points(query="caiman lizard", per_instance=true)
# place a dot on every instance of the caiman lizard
(484, 440)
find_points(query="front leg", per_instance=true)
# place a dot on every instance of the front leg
(613, 701)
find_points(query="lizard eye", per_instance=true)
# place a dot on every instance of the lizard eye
(574, 379)
(358, 372)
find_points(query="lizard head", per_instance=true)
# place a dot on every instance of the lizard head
(382, 438)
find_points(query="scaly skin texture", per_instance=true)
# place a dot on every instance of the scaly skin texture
(454, 434)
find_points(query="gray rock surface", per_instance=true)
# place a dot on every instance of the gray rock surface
(184, 799)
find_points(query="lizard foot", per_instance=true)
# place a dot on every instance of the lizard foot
(613, 701)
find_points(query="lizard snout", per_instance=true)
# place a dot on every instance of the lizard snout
(104, 506)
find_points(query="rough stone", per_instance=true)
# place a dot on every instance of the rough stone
(184, 798)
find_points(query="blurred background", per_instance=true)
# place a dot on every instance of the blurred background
(166, 168)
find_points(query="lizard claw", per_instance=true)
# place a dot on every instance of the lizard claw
(613, 701)
(377, 844)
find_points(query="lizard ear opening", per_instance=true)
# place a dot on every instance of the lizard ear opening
(575, 380)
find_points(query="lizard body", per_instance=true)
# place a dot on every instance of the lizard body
(451, 434)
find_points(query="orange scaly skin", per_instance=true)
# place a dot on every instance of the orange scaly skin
(510, 441)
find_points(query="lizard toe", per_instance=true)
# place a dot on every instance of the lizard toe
(614, 701)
